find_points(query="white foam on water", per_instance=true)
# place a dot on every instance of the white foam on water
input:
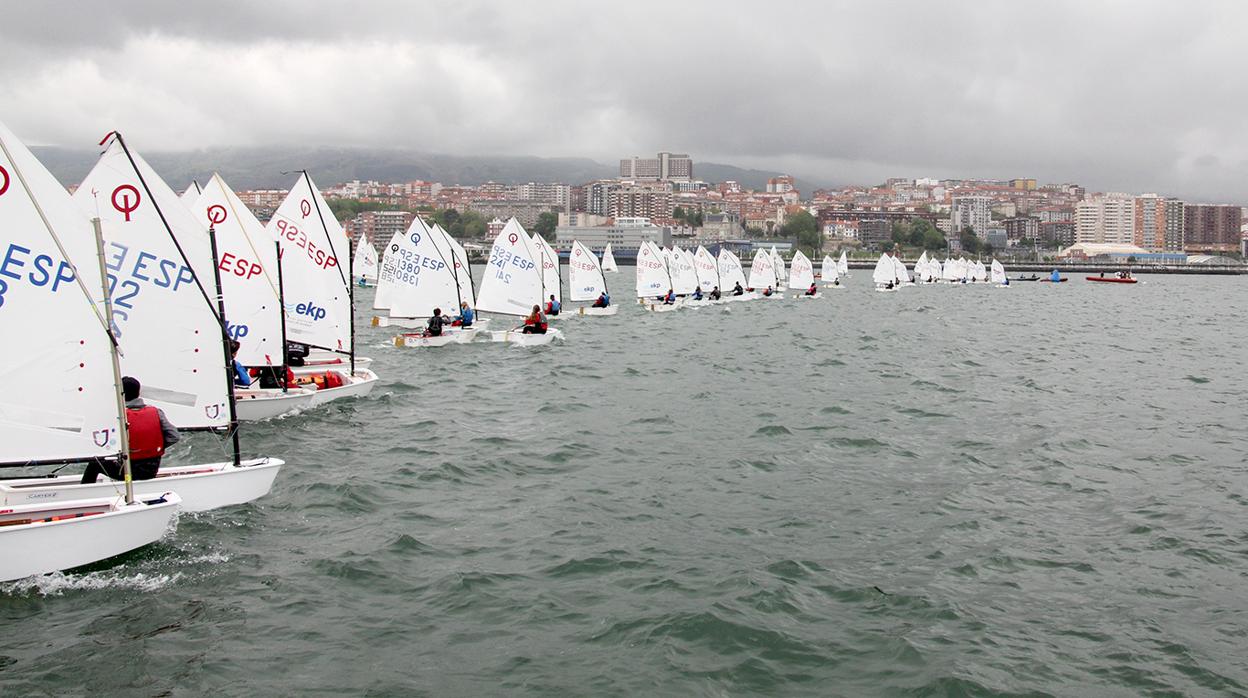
(57, 583)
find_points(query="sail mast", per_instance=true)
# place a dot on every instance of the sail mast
(123, 430)
(281, 308)
(225, 346)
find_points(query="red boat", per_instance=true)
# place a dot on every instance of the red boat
(1111, 279)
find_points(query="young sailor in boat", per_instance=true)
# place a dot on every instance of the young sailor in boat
(436, 323)
(767, 292)
(603, 300)
(697, 293)
(811, 291)
(737, 290)
(535, 323)
(552, 306)
(242, 379)
(150, 434)
(297, 353)
(670, 298)
(715, 293)
(466, 316)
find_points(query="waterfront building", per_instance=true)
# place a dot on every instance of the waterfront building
(625, 235)
(673, 167)
(1158, 223)
(1212, 228)
(1021, 228)
(1106, 219)
(972, 212)
(379, 226)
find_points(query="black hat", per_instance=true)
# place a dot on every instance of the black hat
(130, 386)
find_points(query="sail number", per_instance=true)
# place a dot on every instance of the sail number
(39, 271)
(318, 256)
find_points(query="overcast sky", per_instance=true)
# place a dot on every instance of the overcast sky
(1132, 96)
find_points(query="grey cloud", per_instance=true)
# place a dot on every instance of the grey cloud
(1117, 95)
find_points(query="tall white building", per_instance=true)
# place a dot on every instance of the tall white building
(667, 167)
(1109, 219)
(971, 211)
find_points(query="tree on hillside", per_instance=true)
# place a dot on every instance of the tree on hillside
(547, 221)
(803, 228)
(969, 240)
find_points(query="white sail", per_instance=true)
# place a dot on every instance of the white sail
(920, 268)
(585, 277)
(900, 268)
(652, 275)
(552, 285)
(59, 401)
(248, 266)
(425, 276)
(802, 272)
(763, 271)
(778, 263)
(512, 282)
(828, 269)
(998, 272)
(949, 272)
(364, 264)
(191, 194)
(979, 272)
(730, 270)
(463, 269)
(388, 272)
(885, 272)
(315, 250)
(842, 266)
(168, 328)
(684, 276)
(608, 260)
(707, 269)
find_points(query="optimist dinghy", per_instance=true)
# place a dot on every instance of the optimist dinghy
(513, 283)
(586, 282)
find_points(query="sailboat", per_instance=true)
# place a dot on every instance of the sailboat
(430, 282)
(978, 273)
(251, 288)
(899, 268)
(828, 271)
(920, 268)
(552, 283)
(885, 274)
(731, 275)
(65, 403)
(842, 265)
(513, 283)
(365, 262)
(998, 276)
(706, 271)
(608, 260)
(586, 282)
(684, 276)
(654, 278)
(763, 275)
(782, 273)
(318, 296)
(802, 274)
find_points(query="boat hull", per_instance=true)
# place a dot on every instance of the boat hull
(320, 361)
(519, 338)
(590, 310)
(39, 548)
(448, 336)
(1114, 280)
(358, 385)
(201, 487)
(256, 405)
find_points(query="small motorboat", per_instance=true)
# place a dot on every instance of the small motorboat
(1112, 279)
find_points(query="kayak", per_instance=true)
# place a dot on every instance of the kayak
(1027, 278)
(1110, 280)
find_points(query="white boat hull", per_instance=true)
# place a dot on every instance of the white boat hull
(201, 487)
(320, 361)
(773, 296)
(526, 340)
(47, 546)
(255, 405)
(590, 310)
(808, 296)
(358, 385)
(655, 307)
(450, 335)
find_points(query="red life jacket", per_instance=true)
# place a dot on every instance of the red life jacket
(146, 438)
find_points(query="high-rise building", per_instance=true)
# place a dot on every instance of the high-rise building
(598, 196)
(667, 167)
(1108, 219)
(1212, 228)
(379, 226)
(649, 200)
(1158, 223)
(781, 184)
(971, 211)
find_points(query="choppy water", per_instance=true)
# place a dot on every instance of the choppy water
(950, 491)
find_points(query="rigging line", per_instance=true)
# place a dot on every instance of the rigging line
(313, 194)
(107, 326)
(182, 253)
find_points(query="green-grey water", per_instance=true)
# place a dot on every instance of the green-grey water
(943, 491)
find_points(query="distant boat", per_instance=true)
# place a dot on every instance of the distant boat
(998, 274)
(420, 288)
(608, 261)
(842, 265)
(763, 276)
(514, 283)
(802, 275)
(364, 263)
(1111, 279)
(586, 282)
(731, 275)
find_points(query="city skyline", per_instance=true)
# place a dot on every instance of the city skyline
(1116, 96)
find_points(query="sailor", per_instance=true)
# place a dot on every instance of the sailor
(715, 293)
(670, 298)
(535, 323)
(603, 300)
(242, 379)
(1055, 276)
(737, 290)
(436, 322)
(297, 353)
(466, 315)
(150, 435)
(811, 291)
(836, 282)
(697, 293)
(552, 306)
(767, 292)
